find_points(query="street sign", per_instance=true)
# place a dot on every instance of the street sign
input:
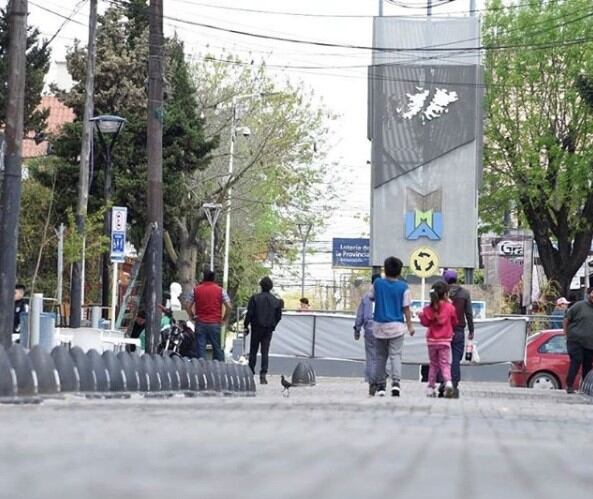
(348, 253)
(119, 216)
(424, 262)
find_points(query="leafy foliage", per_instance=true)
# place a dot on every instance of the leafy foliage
(539, 133)
(37, 65)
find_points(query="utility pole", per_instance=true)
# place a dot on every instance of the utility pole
(304, 231)
(10, 202)
(380, 8)
(60, 234)
(429, 8)
(154, 271)
(76, 291)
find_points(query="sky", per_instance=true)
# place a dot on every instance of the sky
(337, 75)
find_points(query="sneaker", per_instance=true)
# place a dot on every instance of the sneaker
(395, 389)
(381, 390)
(455, 392)
(372, 389)
(431, 392)
(449, 390)
(262, 379)
(441, 391)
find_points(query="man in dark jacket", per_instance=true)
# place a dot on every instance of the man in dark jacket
(264, 312)
(578, 327)
(462, 302)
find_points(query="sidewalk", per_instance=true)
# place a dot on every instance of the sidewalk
(330, 440)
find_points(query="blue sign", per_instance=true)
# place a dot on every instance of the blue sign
(351, 253)
(119, 216)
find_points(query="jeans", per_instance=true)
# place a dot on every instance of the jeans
(440, 362)
(370, 350)
(579, 356)
(209, 333)
(457, 351)
(392, 348)
(259, 337)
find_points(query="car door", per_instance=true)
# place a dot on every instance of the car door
(553, 357)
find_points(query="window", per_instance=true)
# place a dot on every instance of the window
(556, 344)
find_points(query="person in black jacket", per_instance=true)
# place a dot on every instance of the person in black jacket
(264, 312)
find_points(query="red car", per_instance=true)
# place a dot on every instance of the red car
(546, 363)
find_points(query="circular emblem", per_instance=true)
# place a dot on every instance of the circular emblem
(424, 262)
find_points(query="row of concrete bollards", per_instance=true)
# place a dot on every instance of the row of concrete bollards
(587, 384)
(30, 376)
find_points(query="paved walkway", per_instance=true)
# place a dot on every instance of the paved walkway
(328, 441)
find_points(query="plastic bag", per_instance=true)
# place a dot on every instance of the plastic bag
(475, 353)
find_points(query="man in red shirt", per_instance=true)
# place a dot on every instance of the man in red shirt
(208, 301)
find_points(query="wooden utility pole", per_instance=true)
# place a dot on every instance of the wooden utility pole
(83, 175)
(154, 260)
(10, 202)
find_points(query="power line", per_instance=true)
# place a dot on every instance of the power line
(366, 47)
(68, 19)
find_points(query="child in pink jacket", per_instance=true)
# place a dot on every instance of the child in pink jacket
(440, 318)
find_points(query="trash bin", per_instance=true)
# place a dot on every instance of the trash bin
(47, 331)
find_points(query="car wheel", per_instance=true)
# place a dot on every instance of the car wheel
(544, 381)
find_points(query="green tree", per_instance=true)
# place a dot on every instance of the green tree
(38, 59)
(279, 170)
(539, 128)
(120, 88)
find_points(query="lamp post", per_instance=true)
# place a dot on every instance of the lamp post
(108, 129)
(304, 231)
(212, 211)
(246, 132)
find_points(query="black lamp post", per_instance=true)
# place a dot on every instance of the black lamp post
(108, 129)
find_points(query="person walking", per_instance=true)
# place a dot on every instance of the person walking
(206, 312)
(462, 301)
(578, 327)
(21, 307)
(559, 312)
(392, 315)
(440, 317)
(364, 320)
(264, 312)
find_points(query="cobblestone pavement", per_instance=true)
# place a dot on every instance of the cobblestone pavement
(330, 441)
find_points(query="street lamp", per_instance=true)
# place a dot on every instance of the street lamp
(212, 211)
(245, 132)
(108, 129)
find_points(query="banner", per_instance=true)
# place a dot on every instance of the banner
(425, 124)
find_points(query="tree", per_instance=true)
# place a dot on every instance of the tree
(120, 88)
(539, 128)
(279, 170)
(38, 59)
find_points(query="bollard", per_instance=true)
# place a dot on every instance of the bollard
(85, 372)
(183, 370)
(102, 380)
(117, 376)
(241, 380)
(250, 378)
(303, 375)
(231, 387)
(162, 371)
(48, 380)
(220, 371)
(67, 372)
(215, 376)
(171, 370)
(26, 378)
(204, 382)
(35, 319)
(587, 384)
(95, 317)
(128, 365)
(8, 383)
(143, 377)
(148, 367)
